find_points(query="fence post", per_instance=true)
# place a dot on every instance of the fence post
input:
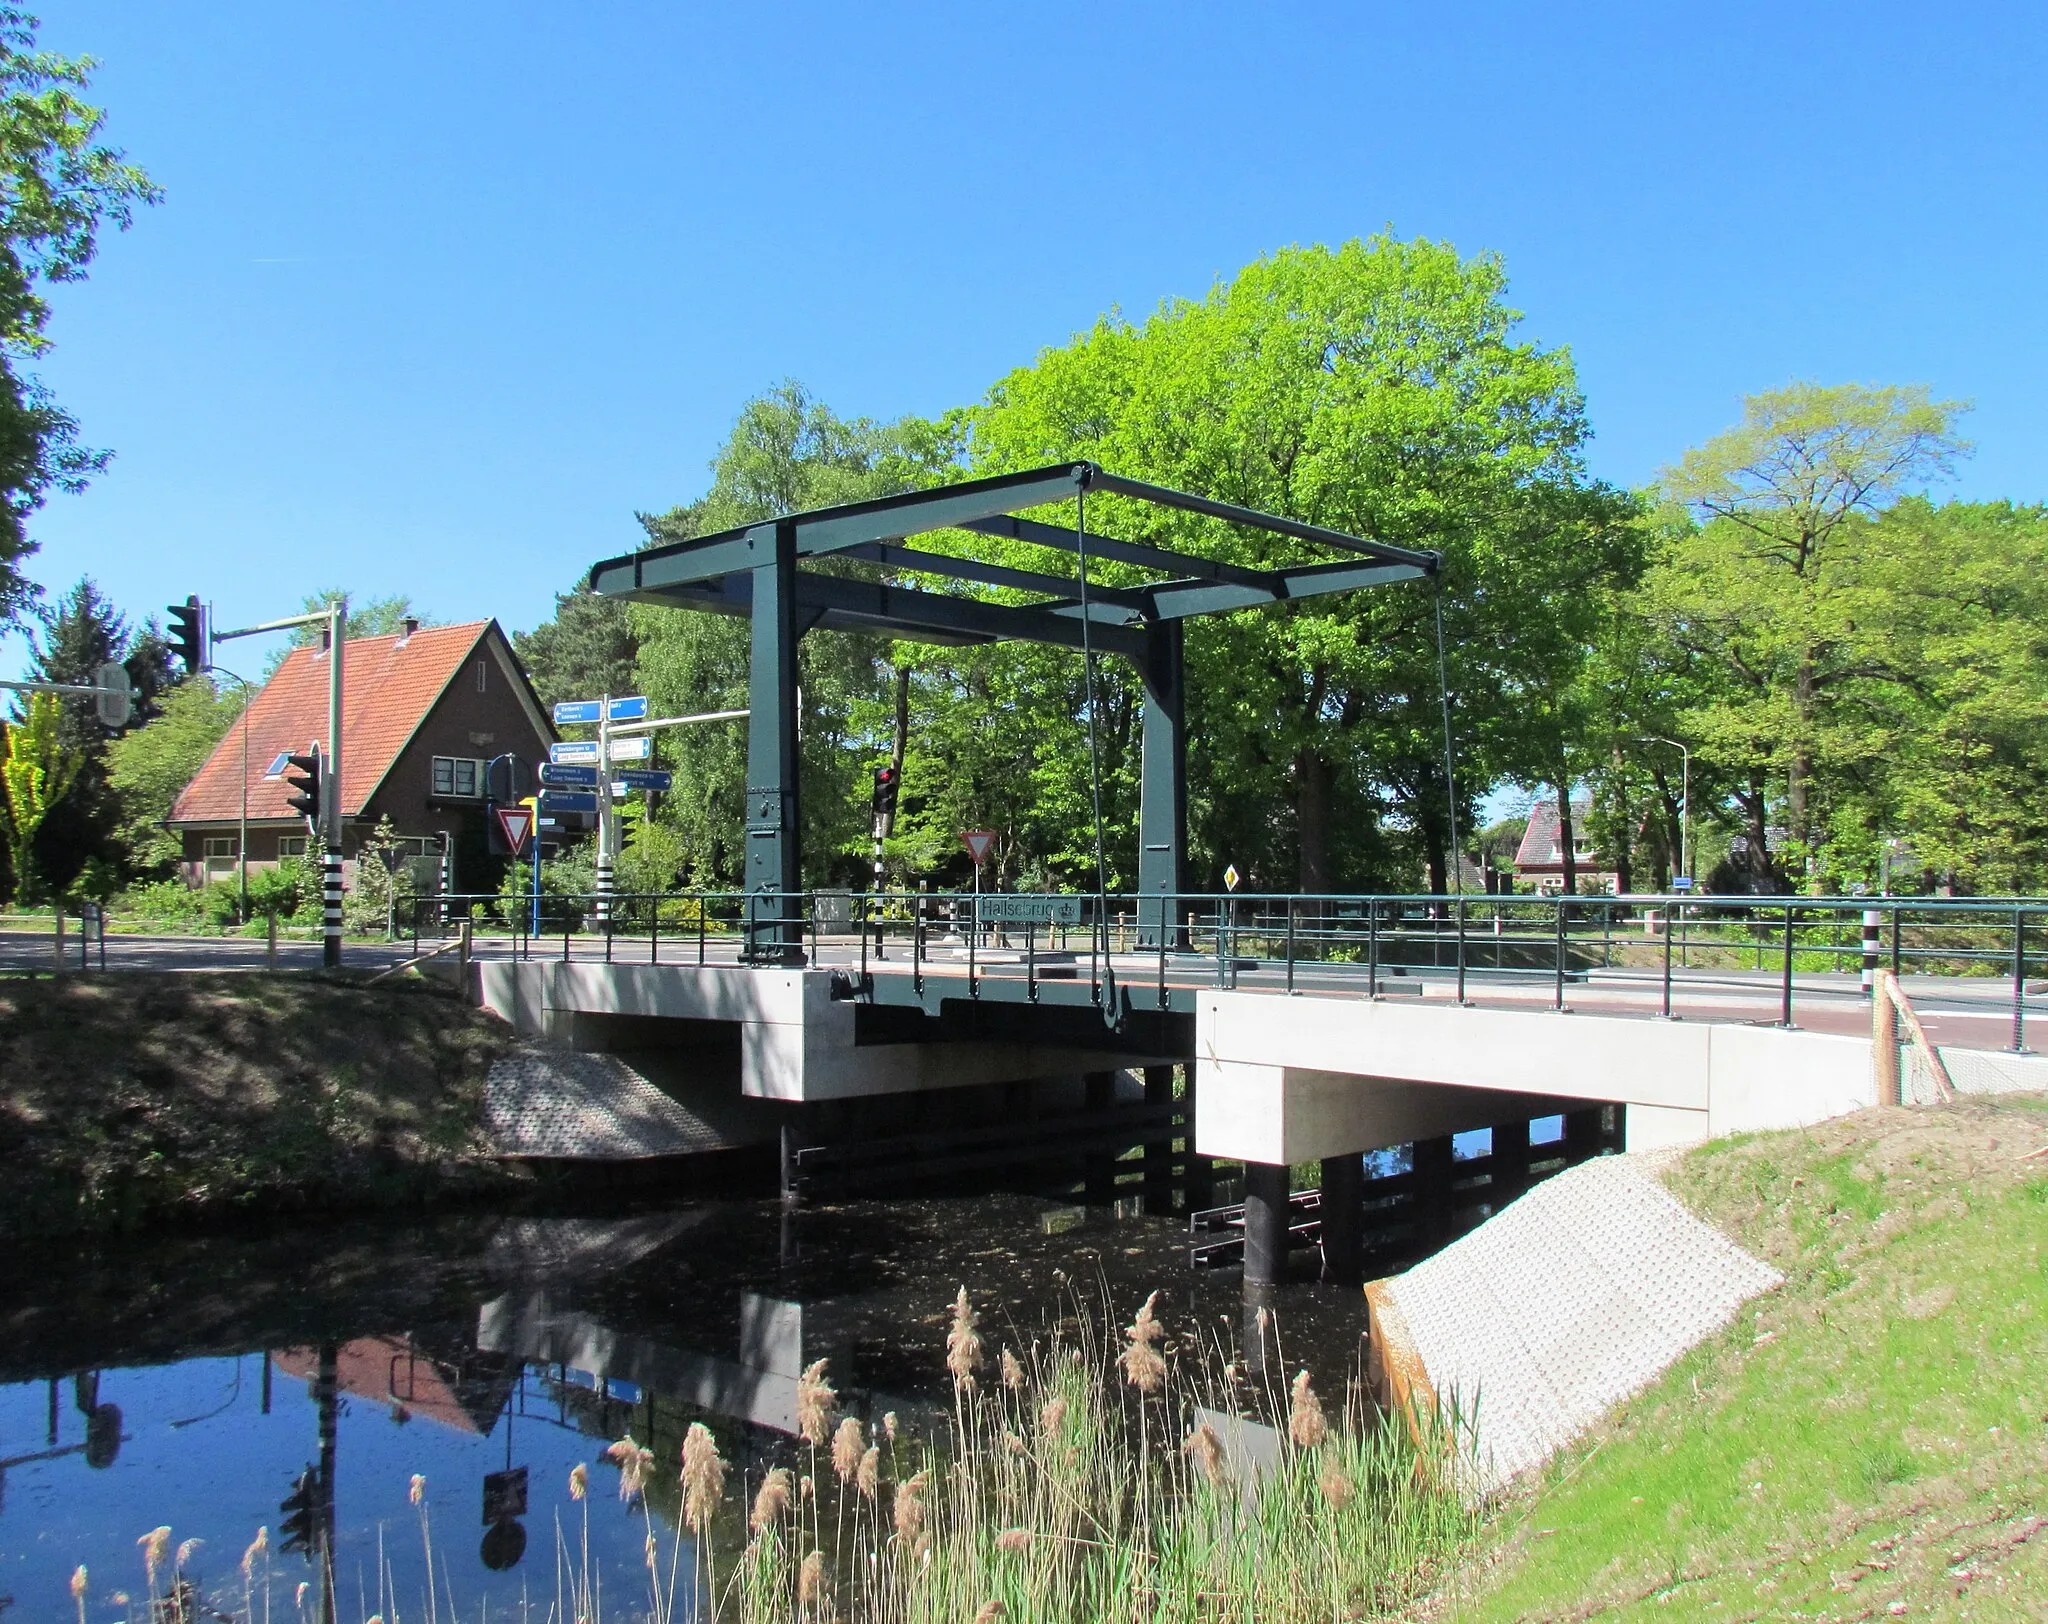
(1557, 1001)
(1884, 1040)
(1290, 944)
(1372, 939)
(2019, 981)
(1873, 923)
(1670, 922)
(1461, 951)
(1785, 987)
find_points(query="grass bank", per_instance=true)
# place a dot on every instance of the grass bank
(1868, 1442)
(141, 1096)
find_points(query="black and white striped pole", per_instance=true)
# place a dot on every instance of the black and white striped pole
(1873, 924)
(330, 802)
(607, 818)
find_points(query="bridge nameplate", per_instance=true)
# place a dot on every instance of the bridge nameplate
(1008, 910)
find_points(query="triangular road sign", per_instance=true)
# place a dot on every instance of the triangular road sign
(978, 842)
(515, 823)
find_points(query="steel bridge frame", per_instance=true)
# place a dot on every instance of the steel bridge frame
(755, 571)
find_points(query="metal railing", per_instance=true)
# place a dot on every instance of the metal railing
(1755, 956)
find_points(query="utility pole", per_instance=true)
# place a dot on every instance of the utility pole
(1685, 853)
(607, 824)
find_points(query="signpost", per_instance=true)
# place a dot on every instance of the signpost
(571, 751)
(557, 774)
(653, 778)
(515, 824)
(979, 842)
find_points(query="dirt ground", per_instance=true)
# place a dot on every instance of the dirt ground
(131, 1097)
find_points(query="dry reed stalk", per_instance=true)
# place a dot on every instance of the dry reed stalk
(1014, 1539)
(154, 1544)
(848, 1445)
(1305, 1423)
(1336, 1488)
(1053, 1416)
(773, 1500)
(419, 1488)
(1013, 1372)
(634, 1463)
(79, 1583)
(963, 1343)
(814, 1401)
(867, 1476)
(810, 1582)
(1143, 1368)
(990, 1612)
(579, 1481)
(909, 1508)
(703, 1477)
(1206, 1449)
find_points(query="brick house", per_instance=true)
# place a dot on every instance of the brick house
(423, 710)
(1540, 856)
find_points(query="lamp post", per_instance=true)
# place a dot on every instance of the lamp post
(1684, 800)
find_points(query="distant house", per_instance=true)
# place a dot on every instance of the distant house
(1540, 857)
(423, 711)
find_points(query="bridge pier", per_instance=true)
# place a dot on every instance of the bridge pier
(1265, 1222)
(1343, 1218)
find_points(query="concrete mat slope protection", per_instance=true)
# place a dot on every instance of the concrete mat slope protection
(1572, 1299)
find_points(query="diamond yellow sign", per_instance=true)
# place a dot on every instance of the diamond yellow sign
(1230, 878)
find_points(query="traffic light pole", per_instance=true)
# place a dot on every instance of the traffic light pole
(607, 822)
(330, 803)
(335, 618)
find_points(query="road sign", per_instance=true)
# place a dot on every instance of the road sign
(515, 823)
(115, 700)
(1680, 882)
(646, 778)
(584, 712)
(978, 842)
(558, 775)
(1008, 910)
(569, 800)
(508, 779)
(1230, 877)
(637, 748)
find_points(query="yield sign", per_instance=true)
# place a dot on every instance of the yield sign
(978, 842)
(515, 823)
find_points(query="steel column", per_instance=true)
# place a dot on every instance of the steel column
(1265, 1222)
(1163, 801)
(1343, 1217)
(774, 865)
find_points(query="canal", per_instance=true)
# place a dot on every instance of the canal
(275, 1377)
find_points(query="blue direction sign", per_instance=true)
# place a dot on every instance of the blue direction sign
(558, 775)
(568, 800)
(584, 712)
(644, 778)
(573, 750)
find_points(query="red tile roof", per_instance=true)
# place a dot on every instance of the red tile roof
(389, 683)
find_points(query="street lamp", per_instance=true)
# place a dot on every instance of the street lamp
(1684, 800)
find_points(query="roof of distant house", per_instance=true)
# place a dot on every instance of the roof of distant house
(390, 684)
(1540, 847)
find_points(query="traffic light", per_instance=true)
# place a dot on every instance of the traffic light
(188, 634)
(299, 1526)
(886, 780)
(303, 774)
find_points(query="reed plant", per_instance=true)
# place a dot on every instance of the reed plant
(1099, 1473)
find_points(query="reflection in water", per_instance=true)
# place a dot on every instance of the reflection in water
(299, 1380)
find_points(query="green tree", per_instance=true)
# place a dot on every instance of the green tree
(787, 453)
(1377, 388)
(59, 184)
(588, 648)
(1774, 593)
(35, 772)
(81, 632)
(149, 766)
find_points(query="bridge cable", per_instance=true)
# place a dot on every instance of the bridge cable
(1110, 1015)
(1443, 688)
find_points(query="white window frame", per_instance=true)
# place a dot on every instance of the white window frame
(454, 792)
(292, 846)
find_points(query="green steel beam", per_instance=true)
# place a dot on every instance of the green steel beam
(1061, 587)
(1179, 600)
(1139, 553)
(907, 609)
(1252, 519)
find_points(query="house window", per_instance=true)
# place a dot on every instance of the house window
(291, 845)
(483, 673)
(220, 846)
(458, 776)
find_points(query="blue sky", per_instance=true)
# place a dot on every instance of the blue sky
(441, 294)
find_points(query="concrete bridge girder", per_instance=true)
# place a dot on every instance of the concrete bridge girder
(1298, 1079)
(796, 1041)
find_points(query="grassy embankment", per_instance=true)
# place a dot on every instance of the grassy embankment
(135, 1097)
(1869, 1441)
